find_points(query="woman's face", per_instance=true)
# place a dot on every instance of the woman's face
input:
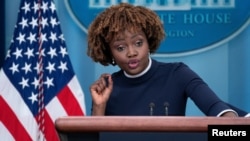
(130, 51)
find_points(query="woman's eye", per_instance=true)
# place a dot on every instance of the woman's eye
(139, 43)
(120, 48)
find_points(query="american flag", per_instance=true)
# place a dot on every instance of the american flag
(37, 81)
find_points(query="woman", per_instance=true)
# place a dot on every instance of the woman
(126, 35)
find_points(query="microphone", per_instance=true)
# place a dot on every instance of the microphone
(151, 108)
(166, 105)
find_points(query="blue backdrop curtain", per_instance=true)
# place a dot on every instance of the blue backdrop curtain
(2, 30)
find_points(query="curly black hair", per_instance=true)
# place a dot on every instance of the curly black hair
(119, 18)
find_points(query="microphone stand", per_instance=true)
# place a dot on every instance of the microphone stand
(151, 109)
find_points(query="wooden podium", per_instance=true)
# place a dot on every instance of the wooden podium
(89, 127)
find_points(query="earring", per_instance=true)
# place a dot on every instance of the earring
(113, 61)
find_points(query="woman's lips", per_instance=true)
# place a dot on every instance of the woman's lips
(133, 64)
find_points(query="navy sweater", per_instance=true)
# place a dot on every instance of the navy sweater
(171, 83)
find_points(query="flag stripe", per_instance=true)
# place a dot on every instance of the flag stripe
(75, 88)
(4, 133)
(59, 112)
(12, 123)
(69, 102)
(19, 108)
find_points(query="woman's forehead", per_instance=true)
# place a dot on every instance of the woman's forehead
(131, 30)
(127, 34)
